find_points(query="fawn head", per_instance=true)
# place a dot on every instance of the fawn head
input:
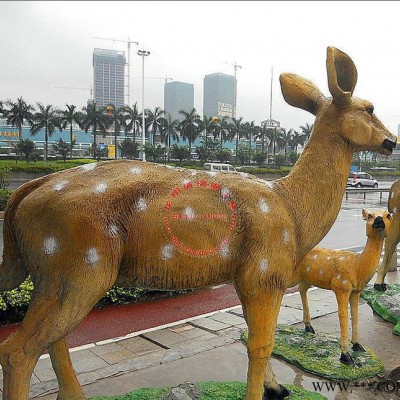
(352, 118)
(378, 223)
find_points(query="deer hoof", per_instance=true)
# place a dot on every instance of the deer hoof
(380, 287)
(273, 394)
(345, 358)
(309, 329)
(358, 347)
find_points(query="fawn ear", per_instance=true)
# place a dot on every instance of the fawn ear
(342, 76)
(366, 213)
(300, 92)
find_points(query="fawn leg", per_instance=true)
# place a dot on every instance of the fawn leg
(303, 288)
(354, 301)
(343, 301)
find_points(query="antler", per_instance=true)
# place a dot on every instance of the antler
(342, 76)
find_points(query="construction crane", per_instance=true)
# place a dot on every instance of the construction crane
(235, 67)
(78, 88)
(128, 42)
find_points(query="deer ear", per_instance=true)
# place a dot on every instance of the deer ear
(366, 213)
(300, 92)
(342, 76)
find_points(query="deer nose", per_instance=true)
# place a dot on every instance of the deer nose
(389, 145)
(378, 223)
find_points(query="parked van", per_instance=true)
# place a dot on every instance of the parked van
(219, 167)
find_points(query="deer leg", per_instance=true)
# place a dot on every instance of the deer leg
(354, 301)
(343, 301)
(69, 386)
(391, 242)
(262, 313)
(303, 287)
(57, 306)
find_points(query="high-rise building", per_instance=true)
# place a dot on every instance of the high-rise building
(219, 95)
(109, 77)
(178, 96)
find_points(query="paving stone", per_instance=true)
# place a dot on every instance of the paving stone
(117, 356)
(165, 337)
(46, 374)
(43, 363)
(138, 345)
(196, 333)
(181, 328)
(209, 323)
(89, 364)
(80, 355)
(105, 348)
(228, 318)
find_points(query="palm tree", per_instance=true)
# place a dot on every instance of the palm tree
(237, 129)
(297, 139)
(168, 130)
(155, 120)
(251, 129)
(190, 126)
(70, 116)
(115, 118)
(134, 117)
(221, 129)
(94, 118)
(307, 129)
(273, 135)
(18, 113)
(285, 138)
(48, 118)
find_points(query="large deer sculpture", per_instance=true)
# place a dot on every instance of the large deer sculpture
(347, 274)
(393, 238)
(80, 231)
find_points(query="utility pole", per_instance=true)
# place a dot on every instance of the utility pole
(128, 75)
(235, 68)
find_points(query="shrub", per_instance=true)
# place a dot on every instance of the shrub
(4, 196)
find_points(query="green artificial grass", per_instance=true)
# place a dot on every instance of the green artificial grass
(213, 391)
(320, 353)
(386, 304)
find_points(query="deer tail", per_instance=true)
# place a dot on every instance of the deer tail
(13, 270)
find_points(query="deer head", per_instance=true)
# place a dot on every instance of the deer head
(378, 223)
(353, 118)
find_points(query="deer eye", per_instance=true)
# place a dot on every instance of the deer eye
(370, 216)
(370, 110)
(389, 216)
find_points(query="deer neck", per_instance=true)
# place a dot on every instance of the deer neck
(369, 260)
(313, 190)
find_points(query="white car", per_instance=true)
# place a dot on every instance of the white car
(361, 179)
(220, 167)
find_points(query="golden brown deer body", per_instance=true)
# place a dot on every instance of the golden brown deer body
(393, 238)
(80, 231)
(345, 273)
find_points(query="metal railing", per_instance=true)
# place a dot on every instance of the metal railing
(364, 191)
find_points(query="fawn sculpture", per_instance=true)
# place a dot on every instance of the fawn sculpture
(80, 231)
(345, 273)
(393, 238)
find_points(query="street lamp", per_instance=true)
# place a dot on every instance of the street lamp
(143, 54)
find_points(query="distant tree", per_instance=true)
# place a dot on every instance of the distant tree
(285, 138)
(155, 120)
(237, 130)
(250, 131)
(116, 119)
(293, 157)
(169, 130)
(69, 117)
(25, 147)
(180, 152)
(98, 152)
(306, 130)
(259, 157)
(154, 152)
(222, 129)
(63, 148)
(129, 149)
(242, 154)
(273, 135)
(223, 155)
(190, 126)
(297, 139)
(280, 160)
(46, 118)
(96, 119)
(132, 120)
(18, 113)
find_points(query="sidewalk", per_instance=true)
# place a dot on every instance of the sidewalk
(208, 348)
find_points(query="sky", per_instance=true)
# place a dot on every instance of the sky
(46, 45)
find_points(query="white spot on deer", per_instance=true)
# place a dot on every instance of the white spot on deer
(89, 167)
(92, 256)
(212, 173)
(113, 230)
(264, 207)
(193, 172)
(344, 281)
(329, 258)
(224, 250)
(60, 185)
(339, 276)
(395, 210)
(308, 269)
(189, 213)
(341, 258)
(321, 271)
(50, 245)
(136, 170)
(264, 265)
(225, 193)
(285, 236)
(315, 256)
(101, 187)
(269, 184)
(186, 181)
(167, 252)
(141, 205)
